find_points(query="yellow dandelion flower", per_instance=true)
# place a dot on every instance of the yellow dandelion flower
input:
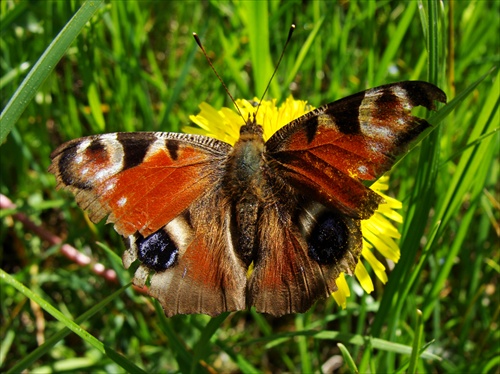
(224, 124)
(378, 232)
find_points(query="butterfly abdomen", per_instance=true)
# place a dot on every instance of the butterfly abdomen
(246, 186)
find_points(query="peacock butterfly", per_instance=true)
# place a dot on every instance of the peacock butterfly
(197, 212)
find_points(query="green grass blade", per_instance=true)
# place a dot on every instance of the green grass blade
(305, 357)
(202, 346)
(45, 348)
(422, 198)
(304, 51)
(14, 73)
(346, 338)
(257, 23)
(348, 358)
(184, 357)
(180, 84)
(395, 42)
(417, 342)
(471, 173)
(119, 359)
(44, 66)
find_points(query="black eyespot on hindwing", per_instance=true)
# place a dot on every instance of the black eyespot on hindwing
(157, 251)
(329, 238)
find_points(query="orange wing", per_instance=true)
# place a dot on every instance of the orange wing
(141, 180)
(329, 150)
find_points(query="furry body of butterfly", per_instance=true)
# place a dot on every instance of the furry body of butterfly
(197, 212)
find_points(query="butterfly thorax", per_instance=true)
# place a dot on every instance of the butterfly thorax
(245, 184)
(246, 157)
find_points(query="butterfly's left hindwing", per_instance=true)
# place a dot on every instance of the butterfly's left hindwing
(197, 269)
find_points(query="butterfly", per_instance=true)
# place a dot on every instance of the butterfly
(197, 213)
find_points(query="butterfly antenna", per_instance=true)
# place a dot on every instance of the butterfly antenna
(217, 74)
(292, 29)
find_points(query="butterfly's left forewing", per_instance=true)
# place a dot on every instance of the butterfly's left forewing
(141, 180)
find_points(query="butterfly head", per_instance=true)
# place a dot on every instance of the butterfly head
(251, 129)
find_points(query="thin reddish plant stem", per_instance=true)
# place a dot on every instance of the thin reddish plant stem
(67, 250)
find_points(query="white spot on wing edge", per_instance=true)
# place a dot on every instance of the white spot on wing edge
(82, 147)
(399, 91)
(116, 155)
(403, 95)
(378, 132)
(109, 186)
(158, 144)
(362, 169)
(84, 144)
(130, 255)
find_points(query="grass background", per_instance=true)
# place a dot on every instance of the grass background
(135, 66)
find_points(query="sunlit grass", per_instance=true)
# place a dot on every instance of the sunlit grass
(135, 66)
